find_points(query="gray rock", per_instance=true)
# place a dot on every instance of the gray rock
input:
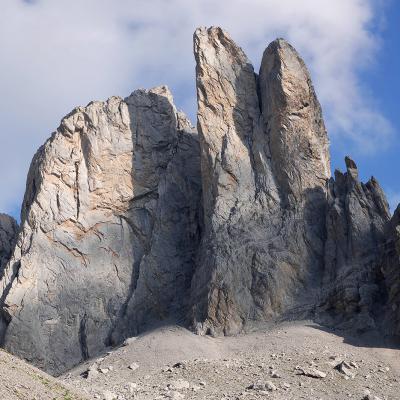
(391, 273)
(265, 163)
(356, 218)
(92, 372)
(174, 395)
(346, 369)
(270, 387)
(8, 234)
(122, 229)
(275, 374)
(311, 372)
(108, 232)
(109, 395)
(179, 384)
(261, 386)
(134, 366)
(132, 387)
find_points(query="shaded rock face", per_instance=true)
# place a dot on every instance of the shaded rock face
(353, 287)
(110, 197)
(131, 218)
(8, 233)
(391, 272)
(265, 164)
(282, 239)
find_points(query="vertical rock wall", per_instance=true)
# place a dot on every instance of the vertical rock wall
(265, 163)
(8, 233)
(93, 229)
(353, 286)
(131, 218)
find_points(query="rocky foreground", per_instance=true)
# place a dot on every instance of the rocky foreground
(21, 381)
(299, 360)
(290, 361)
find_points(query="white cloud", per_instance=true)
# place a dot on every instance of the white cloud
(59, 54)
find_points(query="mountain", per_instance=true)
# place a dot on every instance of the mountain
(132, 218)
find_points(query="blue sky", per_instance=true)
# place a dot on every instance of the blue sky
(58, 54)
(381, 79)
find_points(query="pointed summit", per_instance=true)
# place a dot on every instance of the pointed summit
(298, 139)
(265, 162)
(227, 112)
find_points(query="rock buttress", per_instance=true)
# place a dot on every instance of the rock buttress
(94, 234)
(265, 164)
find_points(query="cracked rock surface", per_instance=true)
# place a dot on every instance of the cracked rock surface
(8, 233)
(131, 218)
(391, 272)
(265, 163)
(354, 290)
(114, 190)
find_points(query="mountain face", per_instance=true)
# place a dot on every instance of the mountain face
(391, 272)
(265, 164)
(131, 217)
(109, 225)
(356, 220)
(8, 232)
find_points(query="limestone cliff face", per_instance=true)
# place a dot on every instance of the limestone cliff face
(265, 164)
(107, 194)
(130, 217)
(391, 272)
(293, 124)
(282, 239)
(357, 215)
(8, 233)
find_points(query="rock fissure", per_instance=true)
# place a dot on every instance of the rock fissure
(83, 339)
(78, 205)
(131, 217)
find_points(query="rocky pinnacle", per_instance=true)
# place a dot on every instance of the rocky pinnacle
(265, 164)
(132, 217)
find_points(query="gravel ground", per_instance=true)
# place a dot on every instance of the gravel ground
(21, 381)
(288, 361)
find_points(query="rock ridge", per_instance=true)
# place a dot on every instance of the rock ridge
(93, 225)
(257, 186)
(132, 217)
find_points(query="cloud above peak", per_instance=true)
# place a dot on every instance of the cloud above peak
(59, 54)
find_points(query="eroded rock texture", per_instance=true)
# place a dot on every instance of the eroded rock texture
(109, 218)
(353, 289)
(391, 272)
(8, 233)
(265, 163)
(129, 218)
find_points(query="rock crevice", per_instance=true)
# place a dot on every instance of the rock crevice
(131, 217)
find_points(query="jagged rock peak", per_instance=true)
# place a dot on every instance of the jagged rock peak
(265, 163)
(111, 202)
(227, 111)
(391, 273)
(356, 219)
(121, 227)
(293, 117)
(217, 37)
(351, 168)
